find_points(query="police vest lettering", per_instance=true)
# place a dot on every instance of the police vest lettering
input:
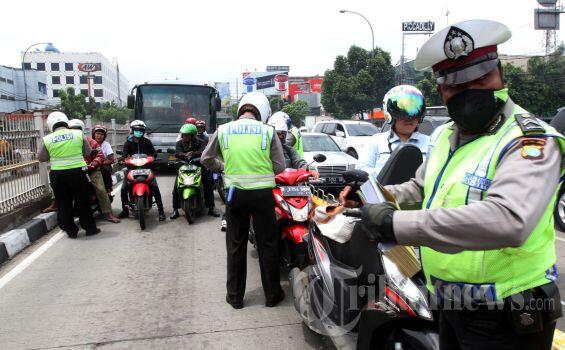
(461, 177)
(64, 137)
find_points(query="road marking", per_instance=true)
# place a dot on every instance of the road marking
(36, 254)
(559, 238)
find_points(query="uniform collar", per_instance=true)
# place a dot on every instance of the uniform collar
(393, 136)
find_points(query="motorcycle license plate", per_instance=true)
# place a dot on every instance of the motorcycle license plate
(295, 191)
(140, 172)
(333, 180)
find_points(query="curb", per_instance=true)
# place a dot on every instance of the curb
(14, 241)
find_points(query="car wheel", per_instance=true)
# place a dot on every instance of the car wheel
(352, 152)
(559, 212)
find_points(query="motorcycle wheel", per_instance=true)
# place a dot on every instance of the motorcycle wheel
(559, 211)
(188, 212)
(140, 204)
(221, 187)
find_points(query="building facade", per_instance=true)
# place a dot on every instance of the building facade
(12, 89)
(69, 69)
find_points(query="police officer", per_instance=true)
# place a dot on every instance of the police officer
(404, 108)
(291, 157)
(65, 149)
(487, 193)
(252, 155)
(294, 137)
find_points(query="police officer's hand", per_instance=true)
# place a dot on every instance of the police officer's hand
(376, 221)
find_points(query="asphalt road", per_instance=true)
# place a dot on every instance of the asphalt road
(163, 288)
(159, 289)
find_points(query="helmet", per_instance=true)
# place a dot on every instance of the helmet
(257, 100)
(285, 117)
(99, 127)
(189, 129)
(138, 124)
(201, 123)
(404, 101)
(56, 118)
(190, 120)
(76, 124)
(278, 122)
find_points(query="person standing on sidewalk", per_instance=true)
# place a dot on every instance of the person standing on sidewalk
(65, 149)
(250, 154)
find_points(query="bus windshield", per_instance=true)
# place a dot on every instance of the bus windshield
(165, 107)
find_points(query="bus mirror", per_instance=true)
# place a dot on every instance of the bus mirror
(218, 104)
(131, 101)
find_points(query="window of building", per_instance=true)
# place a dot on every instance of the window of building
(68, 67)
(3, 97)
(42, 88)
(70, 80)
(11, 98)
(40, 66)
(10, 81)
(55, 93)
(84, 92)
(2, 80)
(83, 80)
(55, 67)
(27, 65)
(55, 80)
(98, 93)
(97, 79)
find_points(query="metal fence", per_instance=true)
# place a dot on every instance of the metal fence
(22, 177)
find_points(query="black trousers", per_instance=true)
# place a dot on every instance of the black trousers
(488, 330)
(154, 191)
(207, 186)
(260, 205)
(71, 186)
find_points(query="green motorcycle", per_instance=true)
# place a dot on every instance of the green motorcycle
(189, 184)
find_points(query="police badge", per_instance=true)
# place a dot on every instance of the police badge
(458, 43)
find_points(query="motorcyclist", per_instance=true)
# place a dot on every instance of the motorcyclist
(95, 174)
(136, 143)
(404, 108)
(99, 133)
(190, 120)
(292, 159)
(189, 147)
(201, 133)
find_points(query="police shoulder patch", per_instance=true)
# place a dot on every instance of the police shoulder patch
(532, 148)
(529, 124)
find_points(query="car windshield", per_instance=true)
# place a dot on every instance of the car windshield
(361, 129)
(165, 107)
(319, 143)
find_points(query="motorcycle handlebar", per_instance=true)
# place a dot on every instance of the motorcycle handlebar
(354, 213)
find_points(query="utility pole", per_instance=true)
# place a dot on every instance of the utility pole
(370, 26)
(24, 70)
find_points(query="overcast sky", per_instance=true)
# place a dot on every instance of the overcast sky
(215, 40)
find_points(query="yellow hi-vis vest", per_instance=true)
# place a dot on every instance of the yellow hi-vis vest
(246, 148)
(65, 149)
(298, 141)
(463, 176)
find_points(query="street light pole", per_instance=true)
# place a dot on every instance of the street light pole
(23, 69)
(370, 26)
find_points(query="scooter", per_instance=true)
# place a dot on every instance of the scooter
(357, 293)
(190, 188)
(140, 177)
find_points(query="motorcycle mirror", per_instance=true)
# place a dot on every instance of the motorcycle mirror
(319, 158)
(401, 165)
(355, 176)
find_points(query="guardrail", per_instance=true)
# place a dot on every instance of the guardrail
(22, 177)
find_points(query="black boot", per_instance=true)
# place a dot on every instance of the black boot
(124, 213)
(175, 214)
(162, 216)
(214, 212)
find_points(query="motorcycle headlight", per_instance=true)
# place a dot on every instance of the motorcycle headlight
(404, 286)
(187, 180)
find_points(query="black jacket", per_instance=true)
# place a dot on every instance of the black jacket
(144, 146)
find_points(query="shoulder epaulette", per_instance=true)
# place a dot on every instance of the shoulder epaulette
(529, 124)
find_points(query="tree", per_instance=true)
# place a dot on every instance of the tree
(72, 105)
(357, 83)
(297, 111)
(428, 88)
(110, 110)
(276, 103)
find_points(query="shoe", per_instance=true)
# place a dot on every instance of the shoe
(162, 216)
(124, 214)
(214, 212)
(235, 305)
(224, 225)
(73, 235)
(110, 217)
(93, 232)
(175, 214)
(51, 208)
(276, 300)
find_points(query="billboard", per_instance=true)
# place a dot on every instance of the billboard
(269, 83)
(278, 68)
(89, 67)
(304, 85)
(428, 26)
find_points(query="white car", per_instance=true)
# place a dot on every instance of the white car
(350, 135)
(336, 163)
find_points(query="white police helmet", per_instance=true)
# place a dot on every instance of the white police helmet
(257, 100)
(56, 118)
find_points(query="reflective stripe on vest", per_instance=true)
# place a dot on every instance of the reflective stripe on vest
(65, 149)
(463, 176)
(246, 148)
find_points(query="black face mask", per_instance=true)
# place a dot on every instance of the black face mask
(473, 110)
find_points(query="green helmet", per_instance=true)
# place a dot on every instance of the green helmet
(189, 129)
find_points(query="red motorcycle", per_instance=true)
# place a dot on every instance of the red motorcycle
(139, 178)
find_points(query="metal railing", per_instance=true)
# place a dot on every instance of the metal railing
(22, 177)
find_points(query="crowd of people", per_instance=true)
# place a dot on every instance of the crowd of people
(486, 189)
